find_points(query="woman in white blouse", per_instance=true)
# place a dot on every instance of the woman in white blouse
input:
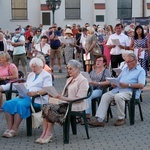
(18, 108)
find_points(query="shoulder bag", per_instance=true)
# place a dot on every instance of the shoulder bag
(37, 119)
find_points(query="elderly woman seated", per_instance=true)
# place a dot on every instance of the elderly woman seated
(8, 72)
(76, 87)
(18, 108)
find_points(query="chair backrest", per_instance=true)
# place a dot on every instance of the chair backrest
(20, 74)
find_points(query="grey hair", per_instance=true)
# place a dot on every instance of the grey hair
(41, 57)
(132, 55)
(74, 63)
(36, 61)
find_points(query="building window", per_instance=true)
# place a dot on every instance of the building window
(72, 9)
(99, 18)
(46, 20)
(19, 9)
(124, 9)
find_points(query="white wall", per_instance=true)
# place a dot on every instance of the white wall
(6, 19)
(87, 13)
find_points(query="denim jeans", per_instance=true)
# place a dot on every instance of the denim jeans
(96, 93)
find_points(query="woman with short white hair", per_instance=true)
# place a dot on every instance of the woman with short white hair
(18, 108)
(76, 87)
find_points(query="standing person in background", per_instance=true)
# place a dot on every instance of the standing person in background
(44, 48)
(78, 53)
(90, 43)
(82, 45)
(19, 53)
(100, 35)
(140, 42)
(28, 39)
(9, 46)
(3, 43)
(37, 38)
(116, 57)
(74, 30)
(55, 47)
(69, 44)
(43, 31)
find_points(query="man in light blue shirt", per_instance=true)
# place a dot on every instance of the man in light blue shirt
(133, 76)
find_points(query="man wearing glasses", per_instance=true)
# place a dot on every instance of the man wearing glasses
(55, 46)
(133, 76)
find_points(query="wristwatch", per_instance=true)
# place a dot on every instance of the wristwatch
(129, 85)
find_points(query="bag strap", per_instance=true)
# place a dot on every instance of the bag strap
(102, 75)
(32, 108)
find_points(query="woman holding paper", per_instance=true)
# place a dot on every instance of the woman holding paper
(98, 76)
(18, 108)
(69, 45)
(76, 87)
(140, 44)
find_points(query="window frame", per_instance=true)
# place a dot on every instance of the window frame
(125, 8)
(73, 8)
(13, 10)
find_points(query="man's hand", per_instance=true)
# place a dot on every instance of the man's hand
(121, 46)
(123, 85)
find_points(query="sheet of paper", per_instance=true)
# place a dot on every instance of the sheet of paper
(86, 75)
(136, 52)
(86, 57)
(51, 90)
(21, 88)
(113, 81)
(115, 42)
(117, 70)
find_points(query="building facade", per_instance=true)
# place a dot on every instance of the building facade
(35, 12)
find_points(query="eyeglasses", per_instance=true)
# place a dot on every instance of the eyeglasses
(38, 31)
(130, 61)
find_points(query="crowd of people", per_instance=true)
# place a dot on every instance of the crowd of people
(120, 48)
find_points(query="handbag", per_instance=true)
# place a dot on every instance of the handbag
(96, 50)
(37, 119)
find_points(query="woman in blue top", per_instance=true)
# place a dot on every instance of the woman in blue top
(18, 108)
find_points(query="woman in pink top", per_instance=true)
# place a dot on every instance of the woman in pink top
(8, 71)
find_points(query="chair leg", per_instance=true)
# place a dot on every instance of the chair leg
(85, 124)
(73, 124)
(66, 130)
(29, 126)
(140, 110)
(109, 112)
(132, 112)
(93, 107)
(141, 99)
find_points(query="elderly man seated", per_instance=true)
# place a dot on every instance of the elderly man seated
(133, 76)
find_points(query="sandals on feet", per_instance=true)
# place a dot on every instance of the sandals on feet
(11, 133)
(5, 133)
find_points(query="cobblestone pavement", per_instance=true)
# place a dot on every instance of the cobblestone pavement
(126, 137)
